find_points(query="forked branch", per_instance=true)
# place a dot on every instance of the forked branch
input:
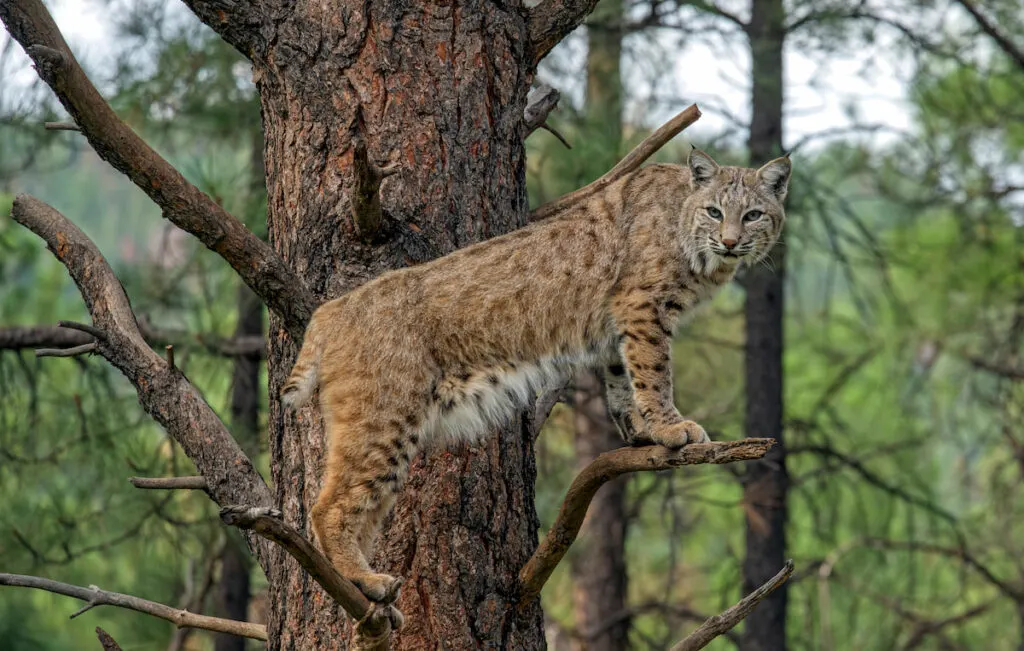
(374, 622)
(93, 597)
(182, 203)
(606, 467)
(165, 393)
(720, 624)
(631, 162)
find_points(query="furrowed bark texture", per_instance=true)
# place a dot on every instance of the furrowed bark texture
(439, 90)
(766, 482)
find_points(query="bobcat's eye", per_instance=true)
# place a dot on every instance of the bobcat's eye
(752, 216)
(714, 213)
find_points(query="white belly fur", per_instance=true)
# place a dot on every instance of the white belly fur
(488, 405)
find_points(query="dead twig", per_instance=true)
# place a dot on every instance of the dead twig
(630, 163)
(169, 483)
(93, 596)
(717, 625)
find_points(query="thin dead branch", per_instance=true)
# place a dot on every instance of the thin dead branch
(94, 596)
(182, 203)
(631, 162)
(61, 126)
(64, 335)
(606, 467)
(166, 394)
(723, 622)
(374, 621)
(169, 483)
(67, 352)
(989, 27)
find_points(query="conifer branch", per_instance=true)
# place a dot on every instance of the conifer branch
(165, 393)
(192, 210)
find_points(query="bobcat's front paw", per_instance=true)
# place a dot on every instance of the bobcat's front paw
(380, 588)
(680, 434)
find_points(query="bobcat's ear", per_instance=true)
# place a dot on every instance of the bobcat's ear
(774, 176)
(702, 167)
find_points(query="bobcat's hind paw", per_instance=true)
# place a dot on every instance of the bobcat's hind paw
(680, 434)
(379, 588)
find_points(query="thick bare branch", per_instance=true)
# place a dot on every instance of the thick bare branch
(182, 203)
(239, 22)
(723, 622)
(93, 596)
(374, 623)
(553, 20)
(606, 467)
(166, 394)
(169, 483)
(631, 162)
(106, 641)
(66, 336)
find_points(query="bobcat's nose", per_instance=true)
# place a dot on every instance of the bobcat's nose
(729, 243)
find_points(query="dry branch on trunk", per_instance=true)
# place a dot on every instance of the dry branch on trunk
(606, 467)
(182, 203)
(374, 623)
(366, 210)
(65, 336)
(631, 162)
(719, 624)
(165, 393)
(93, 597)
(552, 20)
(169, 483)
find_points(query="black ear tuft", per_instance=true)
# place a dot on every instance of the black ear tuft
(774, 176)
(702, 167)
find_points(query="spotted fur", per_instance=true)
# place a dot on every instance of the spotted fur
(441, 353)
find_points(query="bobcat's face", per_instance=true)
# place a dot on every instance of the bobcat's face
(736, 212)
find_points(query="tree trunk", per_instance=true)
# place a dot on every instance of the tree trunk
(440, 90)
(766, 482)
(599, 564)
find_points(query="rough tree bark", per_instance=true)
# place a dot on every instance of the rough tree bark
(766, 482)
(599, 565)
(438, 90)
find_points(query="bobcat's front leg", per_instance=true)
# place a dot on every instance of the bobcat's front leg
(645, 349)
(621, 409)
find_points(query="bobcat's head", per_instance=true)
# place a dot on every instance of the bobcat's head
(736, 212)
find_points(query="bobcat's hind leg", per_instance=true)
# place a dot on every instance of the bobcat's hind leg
(366, 466)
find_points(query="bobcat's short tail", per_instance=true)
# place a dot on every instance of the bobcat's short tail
(299, 386)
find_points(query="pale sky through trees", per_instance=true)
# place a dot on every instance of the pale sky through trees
(823, 90)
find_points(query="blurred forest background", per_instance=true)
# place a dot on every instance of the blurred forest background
(902, 471)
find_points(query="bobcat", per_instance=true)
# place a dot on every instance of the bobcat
(442, 352)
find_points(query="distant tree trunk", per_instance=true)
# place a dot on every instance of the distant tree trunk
(233, 589)
(599, 565)
(440, 90)
(766, 482)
